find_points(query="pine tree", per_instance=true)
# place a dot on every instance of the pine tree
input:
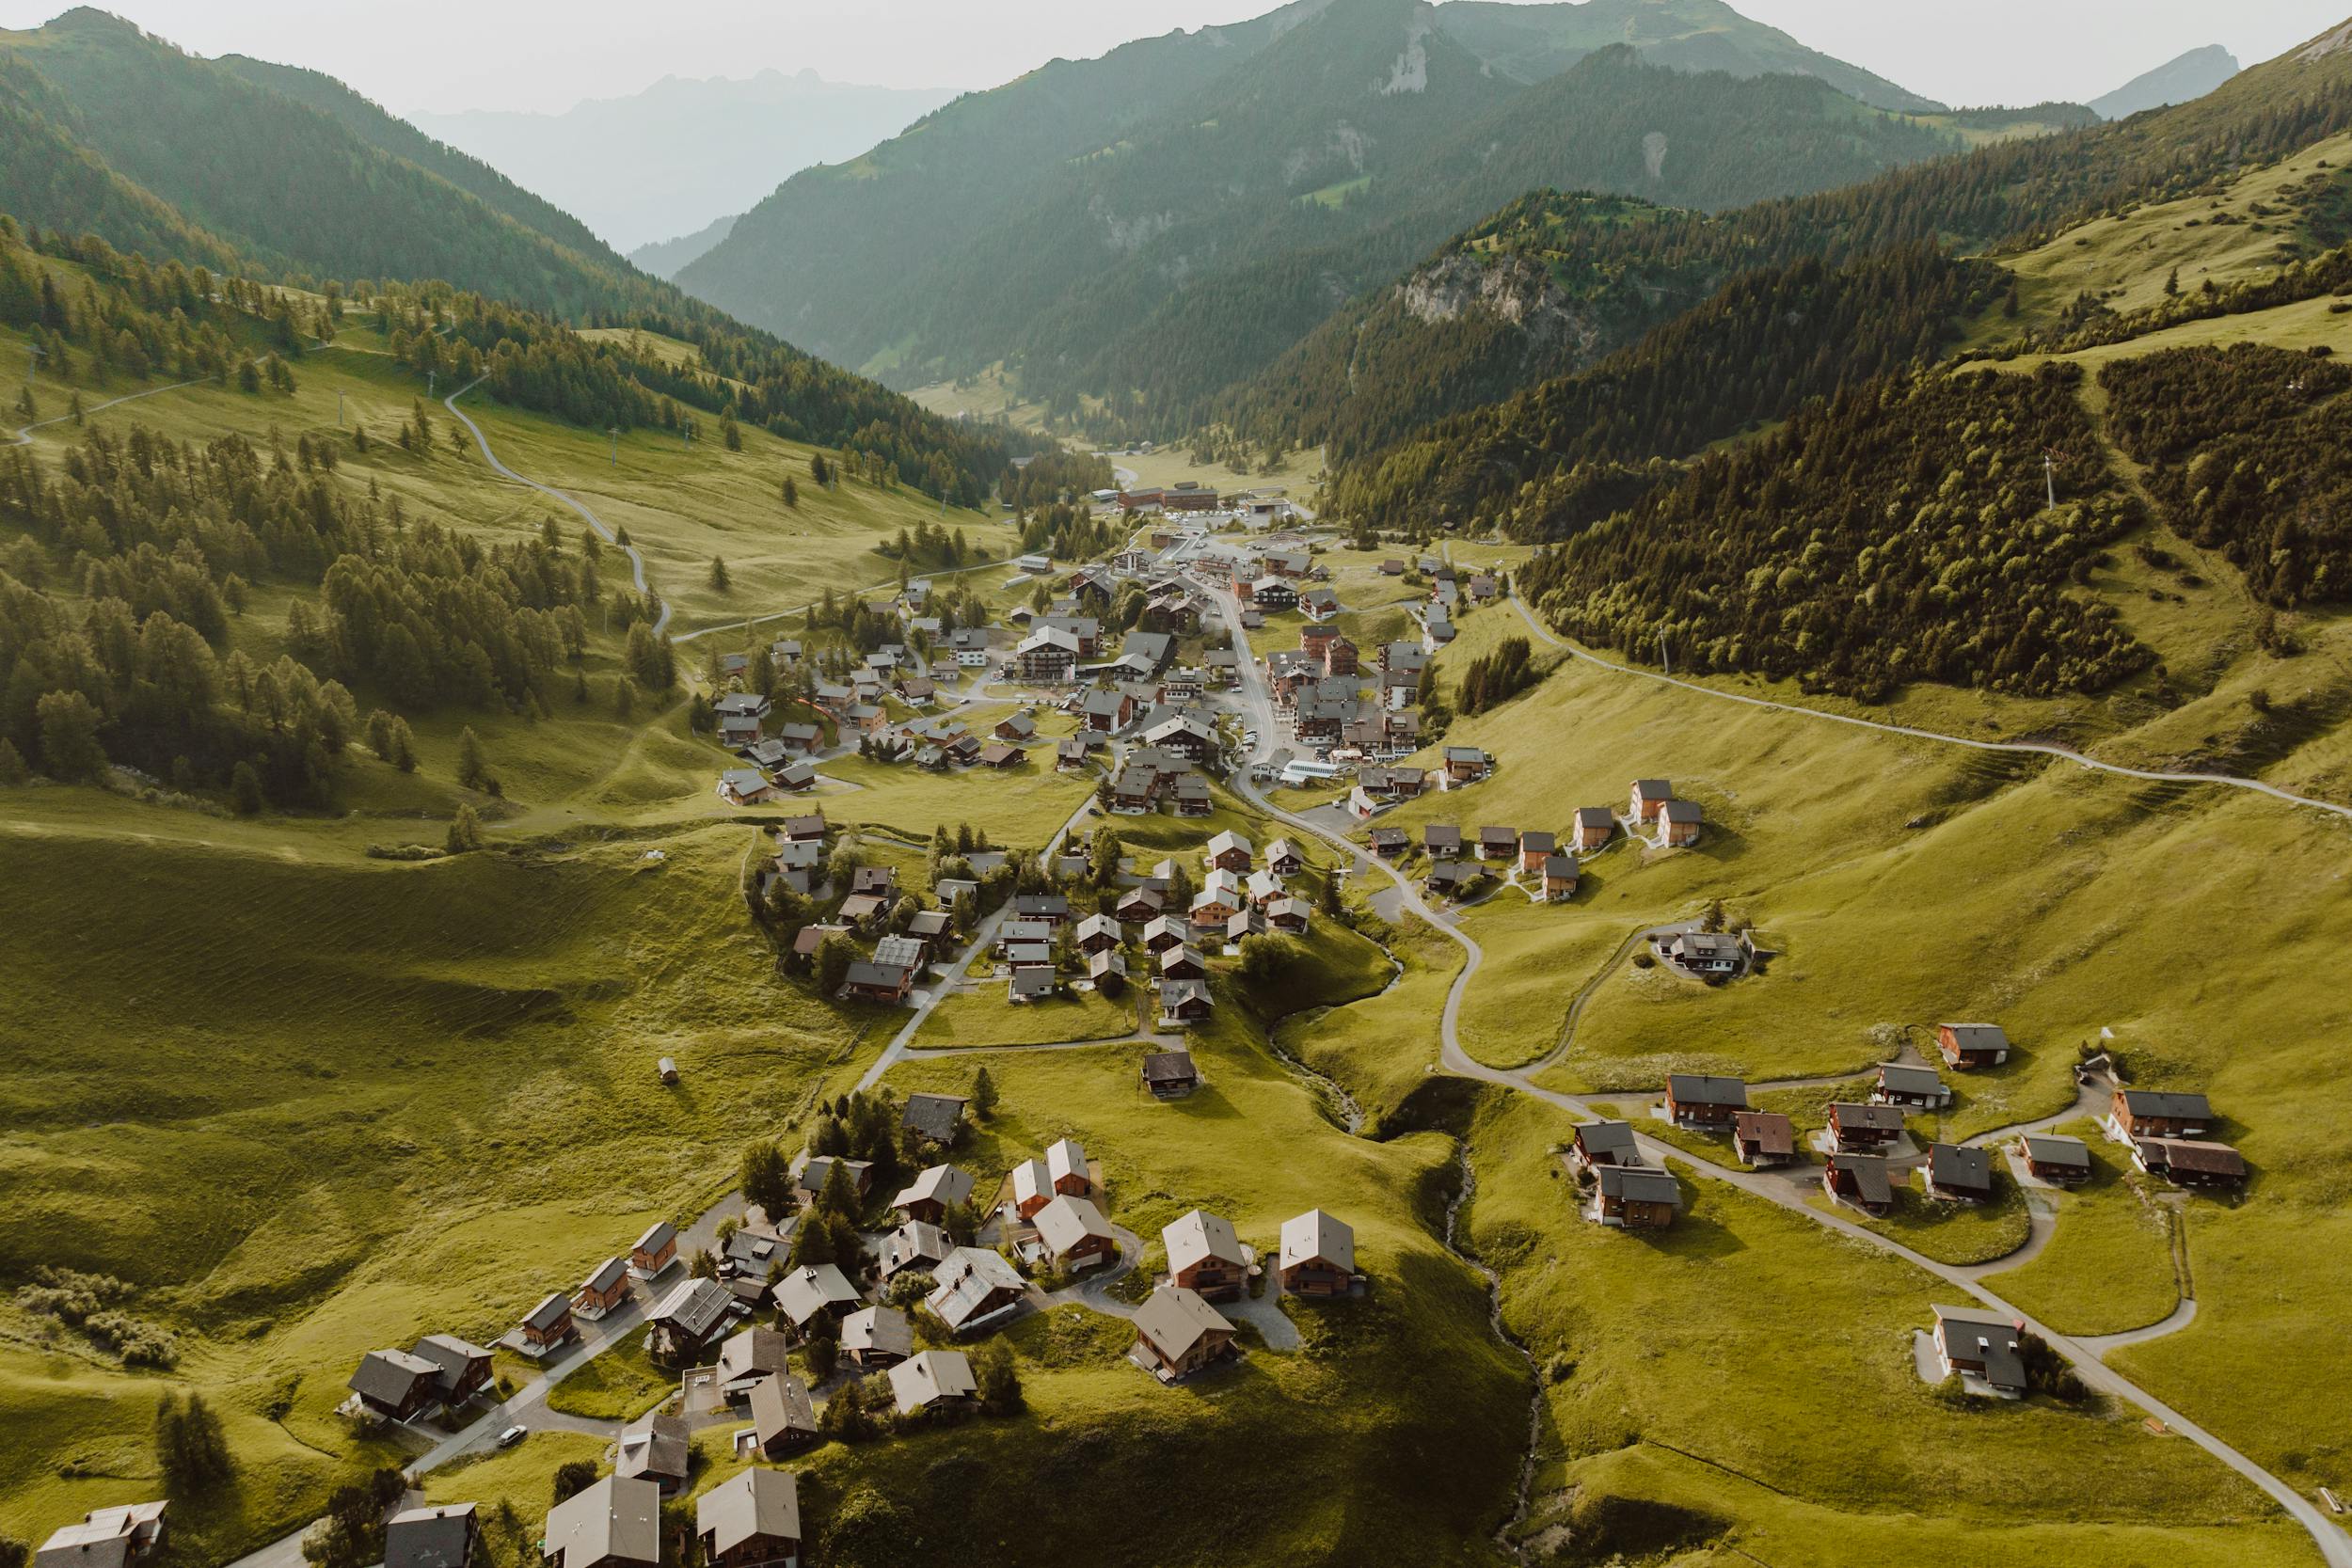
(244, 789)
(719, 581)
(791, 486)
(983, 1095)
(473, 771)
(403, 756)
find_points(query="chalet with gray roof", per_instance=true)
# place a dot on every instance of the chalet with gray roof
(932, 1194)
(784, 1418)
(2052, 1157)
(1909, 1088)
(975, 1288)
(1958, 1174)
(688, 1321)
(934, 1119)
(614, 1523)
(1318, 1256)
(661, 1451)
(1178, 1334)
(1636, 1197)
(877, 1336)
(932, 1379)
(1702, 1100)
(1606, 1143)
(447, 1535)
(751, 1520)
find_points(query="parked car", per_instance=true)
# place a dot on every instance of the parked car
(512, 1435)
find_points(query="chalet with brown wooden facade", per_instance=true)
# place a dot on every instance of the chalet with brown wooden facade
(1763, 1138)
(1971, 1045)
(1700, 1099)
(1636, 1197)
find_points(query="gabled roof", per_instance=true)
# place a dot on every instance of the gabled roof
(935, 1374)
(1031, 1178)
(781, 1404)
(1175, 1320)
(1954, 1166)
(1770, 1131)
(1653, 789)
(617, 1519)
(811, 1288)
(934, 1116)
(1870, 1175)
(430, 1537)
(969, 1281)
(759, 1504)
(1317, 1237)
(663, 1447)
(943, 1184)
(1977, 1037)
(606, 1275)
(1070, 1222)
(1881, 1119)
(2053, 1149)
(751, 1352)
(2158, 1102)
(1168, 1066)
(1900, 1078)
(1640, 1184)
(553, 1309)
(1197, 1237)
(1699, 1088)
(390, 1376)
(878, 1329)
(1680, 811)
(1605, 1137)
(695, 1307)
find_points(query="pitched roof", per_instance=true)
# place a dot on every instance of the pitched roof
(1954, 1166)
(1881, 1118)
(1870, 1175)
(1770, 1131)
(967, 1281)
(1904, 1079)
(664, 1446)
(1070, 1222)
(883, 1329)
(429, 1537)
(943, 1184)
(935, 1374)
(1197, 1237)
(812, 1288)
(1605, 1137)
(752, 1352)
(1977, 1037)
(2159, 1102)
(759, 1504)
(1174, 1320)
(1315, 1236)
(695, 1307)
(934, 1116)
(1068, 1157)
(1653, 789)
(390, 1376)
(1031, 1178)
(781, 1404)
(2053, 1149)
(617, 1519)
(1168, 1066)
(1640, 1184)
(1699, 1088)
(606, 1275)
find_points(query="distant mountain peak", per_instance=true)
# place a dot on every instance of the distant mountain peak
(2180, 80)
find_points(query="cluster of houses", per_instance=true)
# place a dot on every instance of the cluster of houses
(1449, 592)
(1319, 691)
(1551, 862)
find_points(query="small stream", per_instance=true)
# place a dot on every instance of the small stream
(1351, 1114)
(1525, 1500)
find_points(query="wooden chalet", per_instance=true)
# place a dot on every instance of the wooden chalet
(2188, 1163)
(1958, 1173)
(1605, 1143)
(1701, 1100)
(1861, 1179)
(1205, 1256)
(1318, 1256)
(1971, 1045)
(1178, 1334)
(1170, 1074)
(1863, 1129)
(1763, 1138)
(751, 1520)
(2052, 1157)
(2135, 1114)
(1637, 1198)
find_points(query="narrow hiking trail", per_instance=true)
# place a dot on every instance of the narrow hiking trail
(636, 560)
(2334, 1545)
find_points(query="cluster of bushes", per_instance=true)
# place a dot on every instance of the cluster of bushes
(89, 1302)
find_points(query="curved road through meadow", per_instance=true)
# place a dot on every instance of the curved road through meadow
(2335, 1547)
(636, 562)
(2033, 748)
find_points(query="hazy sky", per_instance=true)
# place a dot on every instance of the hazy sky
(448, 54)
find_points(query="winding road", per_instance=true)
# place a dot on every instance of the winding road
(636, 560)
(2335, 1547)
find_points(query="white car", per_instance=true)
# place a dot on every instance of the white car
(512, 1435)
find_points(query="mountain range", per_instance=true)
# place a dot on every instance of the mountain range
(663, 163)
(1150, 227)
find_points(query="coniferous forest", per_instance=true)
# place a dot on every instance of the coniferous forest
(1894, 533)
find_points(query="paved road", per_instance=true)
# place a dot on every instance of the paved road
(636, 562)
(897, 1051)
(2032, 747)
(24, 436)
(2334, 1545)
